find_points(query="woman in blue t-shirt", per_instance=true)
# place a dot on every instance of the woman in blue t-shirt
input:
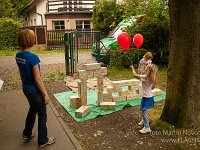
(33, 88)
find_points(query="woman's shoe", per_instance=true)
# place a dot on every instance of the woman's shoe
(26, 137)
(50, 141)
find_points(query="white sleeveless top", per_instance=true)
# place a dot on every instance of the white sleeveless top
(146, 87)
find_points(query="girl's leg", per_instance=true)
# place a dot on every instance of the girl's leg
(145, 118)
(30, 119)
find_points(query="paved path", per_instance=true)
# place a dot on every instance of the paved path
(46, 59)
(9, 61)
(13, 110)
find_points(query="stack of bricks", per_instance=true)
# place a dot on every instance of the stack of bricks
(133, 92)
(105, 99)
(91, 71)
(94, 70)
(156, 92)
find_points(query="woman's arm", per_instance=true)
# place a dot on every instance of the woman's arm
(40, 84)
(134, 72)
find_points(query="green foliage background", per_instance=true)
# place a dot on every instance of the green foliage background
(106, 14)
(11, 20)
(154, 26)
(9, 30)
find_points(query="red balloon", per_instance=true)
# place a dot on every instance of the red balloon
(124, 41)
(138, 40)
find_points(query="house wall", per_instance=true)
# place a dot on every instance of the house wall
(41, 9)
(69, 23)
(40, 16)
(36, 16)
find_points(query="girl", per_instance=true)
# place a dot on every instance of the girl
(33, 88)
(147, 59)
(149, 79)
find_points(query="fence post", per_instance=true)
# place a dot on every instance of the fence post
(98, 46)
(66, 42)
(71, 53)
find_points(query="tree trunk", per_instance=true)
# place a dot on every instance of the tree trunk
(182, 104)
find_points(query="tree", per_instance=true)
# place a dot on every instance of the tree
(133, 7)
(6, 8)
(183, 88)
(18, 5)
(12, 8)
(105, 14)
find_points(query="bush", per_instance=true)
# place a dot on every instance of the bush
(156, 36)
(121, 59)
(9, 30)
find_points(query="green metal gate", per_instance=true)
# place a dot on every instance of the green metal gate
(76, 40)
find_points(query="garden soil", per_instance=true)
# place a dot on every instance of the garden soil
(117, 130)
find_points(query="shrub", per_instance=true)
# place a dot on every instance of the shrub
(9, 30)
(156, 36)
(120, 59)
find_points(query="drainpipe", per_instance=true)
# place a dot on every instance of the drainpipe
(41, 17)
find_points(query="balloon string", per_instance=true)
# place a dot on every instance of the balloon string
(130, 60)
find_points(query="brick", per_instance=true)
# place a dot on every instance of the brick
(118, 98)
(104, 71)
(156, 91)
(75, 101)
(82, 74)
(130, 97)
(96, 66)
(88, 67)
(82, 111)
(108, 105)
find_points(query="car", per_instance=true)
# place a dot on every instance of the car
(110, 43)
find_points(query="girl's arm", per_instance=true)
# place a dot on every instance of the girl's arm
(40, 84)
(134, 72)
(139, 68)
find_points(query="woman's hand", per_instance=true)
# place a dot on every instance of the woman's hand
(46, 99)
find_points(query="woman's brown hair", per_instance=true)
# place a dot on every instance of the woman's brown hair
(26, 39)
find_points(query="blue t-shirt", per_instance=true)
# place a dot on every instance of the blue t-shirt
(25, 61)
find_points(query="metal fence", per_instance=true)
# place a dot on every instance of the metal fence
(84, 40)
(73, 45)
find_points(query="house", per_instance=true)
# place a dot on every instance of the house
(60, 14)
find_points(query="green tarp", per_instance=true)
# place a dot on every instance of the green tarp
(63, 99)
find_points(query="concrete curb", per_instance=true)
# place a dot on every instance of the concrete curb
(66, 128)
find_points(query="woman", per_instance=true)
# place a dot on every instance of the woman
(33, 88)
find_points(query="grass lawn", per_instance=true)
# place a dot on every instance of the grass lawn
(13, 52)
(127, 74)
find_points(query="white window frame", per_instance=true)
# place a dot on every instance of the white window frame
(61, 26)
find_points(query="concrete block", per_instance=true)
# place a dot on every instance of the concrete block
(104, 71)
(156, 91)
(82, 74)
(82, 111)
(75, 101)
(108, 105)
(118, 98)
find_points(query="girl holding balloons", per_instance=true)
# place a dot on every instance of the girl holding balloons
(149, 80)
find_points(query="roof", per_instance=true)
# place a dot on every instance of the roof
(32, 4)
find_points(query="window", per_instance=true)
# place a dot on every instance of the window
(87, 24)
(35, 22)
(58, 25)
(82, 24)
